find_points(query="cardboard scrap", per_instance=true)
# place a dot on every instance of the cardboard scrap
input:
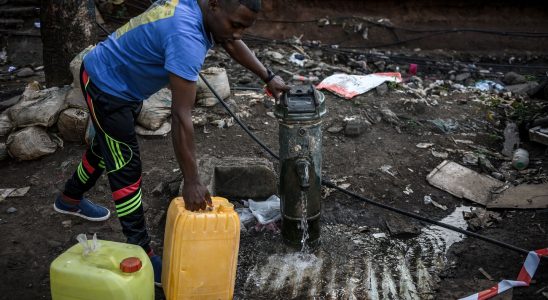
(13, 192)
(522, 196)
(463, 182)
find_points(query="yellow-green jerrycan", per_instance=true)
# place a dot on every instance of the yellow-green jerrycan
(102, 270)
(200, 251)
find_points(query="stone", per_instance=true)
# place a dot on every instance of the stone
(75, 99)
(11, 210)
(462, 77)
(25, 72)
(354, 127)
(511, 78)
(380, 64)
(335, 129)
(522, 89)
(238, 177)
(67, 223)
(382, 89)
(402, 228)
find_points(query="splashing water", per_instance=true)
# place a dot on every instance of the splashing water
(304, 223)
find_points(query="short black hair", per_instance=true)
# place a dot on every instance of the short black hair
(253, 5)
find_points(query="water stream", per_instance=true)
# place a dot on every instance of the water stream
(304, 223)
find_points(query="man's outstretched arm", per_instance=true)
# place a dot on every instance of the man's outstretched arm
(239, 51)
(195, 194)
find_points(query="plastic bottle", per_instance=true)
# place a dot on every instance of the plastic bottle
(520, 160)
(200, 251)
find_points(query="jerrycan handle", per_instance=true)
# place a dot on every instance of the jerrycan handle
(83, 240)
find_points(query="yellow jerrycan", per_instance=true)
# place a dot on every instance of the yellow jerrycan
(102, 270)
(200, 251)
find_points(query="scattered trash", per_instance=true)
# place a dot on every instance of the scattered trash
(520, 159)
(428, 200)
(470, 158)
(245, 215)
(267, 211)
(488, 85)
(223, 123)
(379, 235)
(524, 196)
(13, 192)
(349, 86)
(11, 210)
(297, 59)
(445, 126)
(305, 78)
(335, 129)
(389, 116)
(11, 69)
(482, 271)
(424, 145)
(408, 190)
(479, 218)
(387, 169)
(30, 143)
(511, 139)
(413, 69)
(439, 154)
(463, 182)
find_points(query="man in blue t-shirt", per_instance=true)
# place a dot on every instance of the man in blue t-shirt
(166, 45)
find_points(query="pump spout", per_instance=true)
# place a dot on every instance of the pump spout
(303, 167)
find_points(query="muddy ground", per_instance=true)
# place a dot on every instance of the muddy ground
(34, 235)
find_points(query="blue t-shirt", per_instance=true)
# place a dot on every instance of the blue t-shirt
(133, 62)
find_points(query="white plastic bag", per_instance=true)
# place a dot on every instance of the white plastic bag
(88, 248)
(348, 86)
(266, 211)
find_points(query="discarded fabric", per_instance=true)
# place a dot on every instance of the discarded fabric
(349, 86)
(487, 85)
(266, 211)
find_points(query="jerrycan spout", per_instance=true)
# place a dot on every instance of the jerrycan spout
(303, 171)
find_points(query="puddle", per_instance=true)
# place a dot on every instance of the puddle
(350, 264)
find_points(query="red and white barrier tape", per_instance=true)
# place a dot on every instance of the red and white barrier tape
(524, 278)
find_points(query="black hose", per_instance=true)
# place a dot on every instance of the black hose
(332, 185)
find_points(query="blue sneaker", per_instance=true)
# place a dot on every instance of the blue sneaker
(85, 209)
(156, 261)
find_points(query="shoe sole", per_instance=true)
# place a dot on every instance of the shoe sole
(81, 215)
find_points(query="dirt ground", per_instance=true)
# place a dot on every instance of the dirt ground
(34, 235)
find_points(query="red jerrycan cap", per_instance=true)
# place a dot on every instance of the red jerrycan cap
(131, 265)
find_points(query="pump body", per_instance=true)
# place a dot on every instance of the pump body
(299, 114)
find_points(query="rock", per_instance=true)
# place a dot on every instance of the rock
(238, 177)
(245, 80)
(380, 64)
(462, 77)
(389, 116)
(54, 244)
(401, 228)
(512, 78)
(355, 126)
(335, 129)
(25, 72)
(522, 89)
(75, 99)
(382, 89)
(11, 210)
(159, 189)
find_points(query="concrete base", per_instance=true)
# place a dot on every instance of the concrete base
(238, 177)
